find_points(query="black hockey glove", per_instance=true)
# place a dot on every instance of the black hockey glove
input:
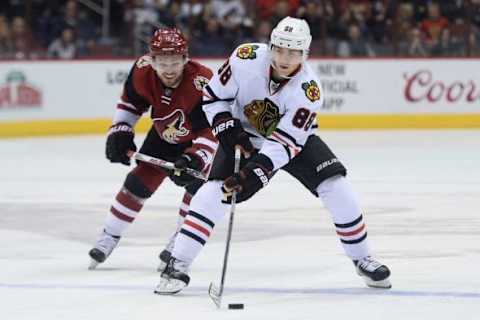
(179, 176)
(229, 132)
(251, 178)
(119, 141)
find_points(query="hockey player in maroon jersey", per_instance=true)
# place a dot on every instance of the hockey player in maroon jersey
(170, 84)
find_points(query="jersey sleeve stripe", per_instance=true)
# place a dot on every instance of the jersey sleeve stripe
(286, 136)
(204, 147)
(126, 108)
(205, 141)
(287, 150)
(293, 149)
(213, 97)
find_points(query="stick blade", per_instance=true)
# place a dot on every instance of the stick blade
(214, 293)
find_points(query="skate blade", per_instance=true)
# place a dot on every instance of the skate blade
(169, 286)
(93, 264)
(381, 284)
(214, 293)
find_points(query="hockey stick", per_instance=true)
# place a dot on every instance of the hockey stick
(164, 164)
(214, 291)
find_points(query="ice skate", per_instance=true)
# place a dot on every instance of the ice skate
(164, 257)
(103, 248)
(375, 274)
(166, 253)
(174, 278)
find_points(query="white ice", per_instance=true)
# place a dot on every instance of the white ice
(420, 191)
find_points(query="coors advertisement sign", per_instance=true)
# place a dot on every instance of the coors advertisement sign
(399, 86)
(423, 86)
(17, 93)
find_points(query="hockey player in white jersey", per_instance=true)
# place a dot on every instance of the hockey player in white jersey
(264, 99)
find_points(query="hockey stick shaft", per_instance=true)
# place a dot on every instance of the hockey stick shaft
(217, 296)
(163, 164)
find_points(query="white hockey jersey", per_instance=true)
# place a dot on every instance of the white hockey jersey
(279, 116)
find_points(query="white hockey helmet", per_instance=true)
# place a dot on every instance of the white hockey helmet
(292, 33)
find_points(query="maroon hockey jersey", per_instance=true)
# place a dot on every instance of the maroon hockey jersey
(176, 113)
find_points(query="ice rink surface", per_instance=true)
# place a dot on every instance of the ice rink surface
(420, 191)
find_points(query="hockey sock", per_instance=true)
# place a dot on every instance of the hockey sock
(183, 211)
(139, 185)
(340, 200)
(206, 209)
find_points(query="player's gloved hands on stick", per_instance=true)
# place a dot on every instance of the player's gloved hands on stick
(229, 132)
(119, 141)
(251, 178)
(179, 176)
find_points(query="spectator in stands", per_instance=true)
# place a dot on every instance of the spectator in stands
(404, 20)
(379, 22)
(386, 24)
(339, 29)
(281, 9)
(232, 16)
(190, 13)
(474, 42)
(264, 9)
(319, 16)
(5, 39)
(169, 15)
(85, 34)
(454, 9)
(474, 10)
(212, 42)
(313, 13)
(24, 46)
(44, 25)
(355, 46)
(446, 45)
(230, 13)
(420, 8)
(414, 46)
(78, 20)
(63, 47)
(262, 32)
(433, 25)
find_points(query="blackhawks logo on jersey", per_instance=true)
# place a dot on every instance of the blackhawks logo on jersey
(312, 91)
(263, 115)
(247, 51)
(200, 82)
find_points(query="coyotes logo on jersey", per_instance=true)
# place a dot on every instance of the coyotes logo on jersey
(171, 128)
(200, 82)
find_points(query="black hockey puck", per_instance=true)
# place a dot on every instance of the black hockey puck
(236, 306)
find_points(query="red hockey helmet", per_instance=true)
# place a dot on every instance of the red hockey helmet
(168, 41)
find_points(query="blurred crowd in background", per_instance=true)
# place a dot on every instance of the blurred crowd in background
(68, 29)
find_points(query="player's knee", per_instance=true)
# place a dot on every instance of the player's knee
(208, 200)
(136, 186)
(193, 187)
(337, 184)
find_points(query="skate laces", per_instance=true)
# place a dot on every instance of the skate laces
(107, 243)
(369, 264)
(178, 265)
